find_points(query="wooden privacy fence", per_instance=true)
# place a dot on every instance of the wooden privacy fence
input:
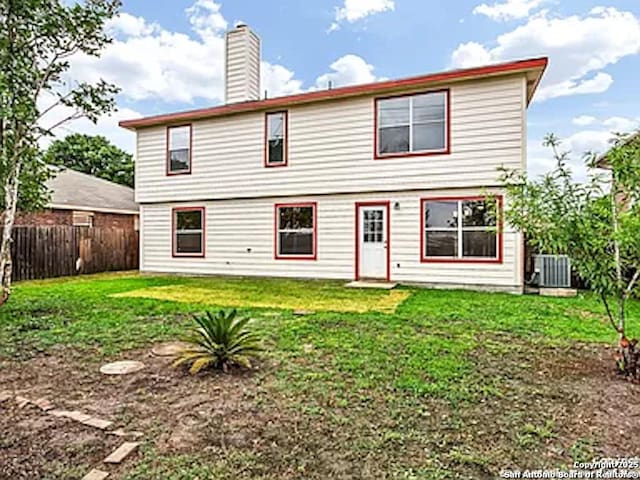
(58, 251)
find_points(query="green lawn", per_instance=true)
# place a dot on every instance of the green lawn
(409, 383)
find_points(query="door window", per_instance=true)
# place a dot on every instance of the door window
(373, 228)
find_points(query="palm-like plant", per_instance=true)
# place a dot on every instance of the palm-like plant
(219, 341)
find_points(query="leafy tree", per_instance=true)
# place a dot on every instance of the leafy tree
(595, 223)
(94, 155)
(38, 39)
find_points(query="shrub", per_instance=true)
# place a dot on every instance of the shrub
(219, 341)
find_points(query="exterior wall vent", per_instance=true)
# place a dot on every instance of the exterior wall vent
(242, 65)
(553, 271)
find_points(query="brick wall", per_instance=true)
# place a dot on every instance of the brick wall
(45, 217)
(65, 217)
(113, 220)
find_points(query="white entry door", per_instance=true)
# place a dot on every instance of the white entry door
(373, 241)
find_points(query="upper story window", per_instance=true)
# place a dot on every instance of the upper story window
(188, 232)
(179, 149)
(464, 229)
(276, 139)
(296, 231)
(412, 124)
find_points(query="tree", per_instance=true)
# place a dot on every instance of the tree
(38, 40)
(94, 155)
(595, 223)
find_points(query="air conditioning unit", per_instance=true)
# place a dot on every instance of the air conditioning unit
(553, 271)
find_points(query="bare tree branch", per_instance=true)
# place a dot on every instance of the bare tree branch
(632, 282)
(55, 104)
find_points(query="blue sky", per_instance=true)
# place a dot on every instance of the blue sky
(167, 55)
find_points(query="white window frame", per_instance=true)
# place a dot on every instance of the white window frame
(88, 216)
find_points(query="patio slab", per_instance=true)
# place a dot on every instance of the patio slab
(372, 284)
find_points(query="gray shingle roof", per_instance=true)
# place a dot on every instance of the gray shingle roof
(79, 191)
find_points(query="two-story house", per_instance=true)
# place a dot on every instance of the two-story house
(391, 180)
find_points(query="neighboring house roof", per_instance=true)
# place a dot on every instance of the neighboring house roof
(71, 190)
(602, 161)
(532, 68)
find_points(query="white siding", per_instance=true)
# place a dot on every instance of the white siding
(240, 241)
(242, 65)
(331, 146)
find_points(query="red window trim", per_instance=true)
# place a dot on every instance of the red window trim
(168, 159)
(285, 151)
(385, 156)
(174, 243)
(387, 204)
(425, 259)
(276, 254)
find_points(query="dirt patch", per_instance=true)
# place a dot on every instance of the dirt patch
(559, 405)
(35, 445)
(169, 406)
(542, 407)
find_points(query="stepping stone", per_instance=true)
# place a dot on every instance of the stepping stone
(44, 404)
(73, 415)
(95, 474)
(122, 368)
(121, 433)
(170, 349)
(98, 423)
(122, 452)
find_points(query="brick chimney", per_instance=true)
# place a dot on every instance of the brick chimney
(242, 65)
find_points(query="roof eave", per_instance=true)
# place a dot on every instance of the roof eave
(535, 65)
(89, 208)
(603, 160)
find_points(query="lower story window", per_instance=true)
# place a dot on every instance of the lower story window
(82, 219)
(296, 231)
(188, 232)
(460, 229)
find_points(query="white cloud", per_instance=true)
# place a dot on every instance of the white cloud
(129, 25)
(107, 125)
(278, 80)
(595, 139)
(471, 54)
(622, 124)
(540, 159)
(579, 47)
(206, 19)
(592, 140)
(599, 83)
(508, 10)
(583, 120)
(150, 62)
(354, 10)
(347, 70)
